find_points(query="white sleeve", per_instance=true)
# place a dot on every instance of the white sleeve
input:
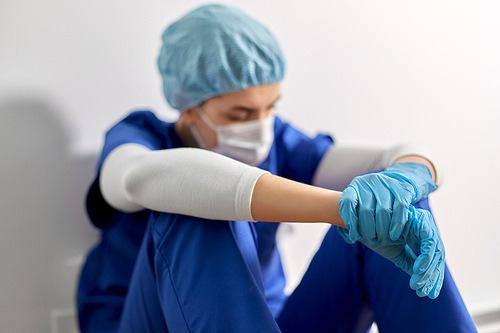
(340, 165)
(186, 181)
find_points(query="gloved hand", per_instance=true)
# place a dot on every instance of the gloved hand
(384, 198)
(429, 267)
(376, 209)
(420, 232)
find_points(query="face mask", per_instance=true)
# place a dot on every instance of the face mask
(248, 142)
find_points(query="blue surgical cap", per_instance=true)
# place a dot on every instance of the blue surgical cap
(213, 50)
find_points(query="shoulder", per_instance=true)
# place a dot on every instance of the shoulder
(290, 138)
(142, 118)
(140, 127)
(298, 154)
(140, 123)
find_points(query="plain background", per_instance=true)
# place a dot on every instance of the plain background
(371, 73)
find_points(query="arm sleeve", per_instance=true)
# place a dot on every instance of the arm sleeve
(187, 181)
(340, 165)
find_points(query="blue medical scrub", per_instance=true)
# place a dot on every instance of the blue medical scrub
(161, 272)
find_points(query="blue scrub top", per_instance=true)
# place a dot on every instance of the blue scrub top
(106, 275)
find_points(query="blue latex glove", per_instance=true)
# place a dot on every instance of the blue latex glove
(420, 233)
(384, 198)
(376, 209)
(428, 269)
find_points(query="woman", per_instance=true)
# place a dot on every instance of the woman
(177, 205)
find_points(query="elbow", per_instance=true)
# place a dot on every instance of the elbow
(129, 199)
(116, 192)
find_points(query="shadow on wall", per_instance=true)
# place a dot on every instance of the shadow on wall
(44, 230)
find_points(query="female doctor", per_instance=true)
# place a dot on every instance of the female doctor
(177, 204)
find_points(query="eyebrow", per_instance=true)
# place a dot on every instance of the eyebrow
(245, 108)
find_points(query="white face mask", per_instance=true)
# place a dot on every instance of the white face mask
(248, 142)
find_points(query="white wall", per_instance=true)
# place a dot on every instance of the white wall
(371, 73)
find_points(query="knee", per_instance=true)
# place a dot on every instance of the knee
(175, 231)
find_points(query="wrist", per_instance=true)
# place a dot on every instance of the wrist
(333, 213)
(418, 175)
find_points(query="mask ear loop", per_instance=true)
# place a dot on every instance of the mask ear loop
(196, 134)
(205, 118)
(197, 137)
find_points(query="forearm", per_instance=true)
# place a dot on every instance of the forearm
(281, 200)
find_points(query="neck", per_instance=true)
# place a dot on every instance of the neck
(185, 134)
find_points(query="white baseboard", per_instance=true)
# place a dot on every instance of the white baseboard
(487, 317)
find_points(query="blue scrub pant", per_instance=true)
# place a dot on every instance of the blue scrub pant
(195, 275)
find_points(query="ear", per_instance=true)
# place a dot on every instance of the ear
(187, 117)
